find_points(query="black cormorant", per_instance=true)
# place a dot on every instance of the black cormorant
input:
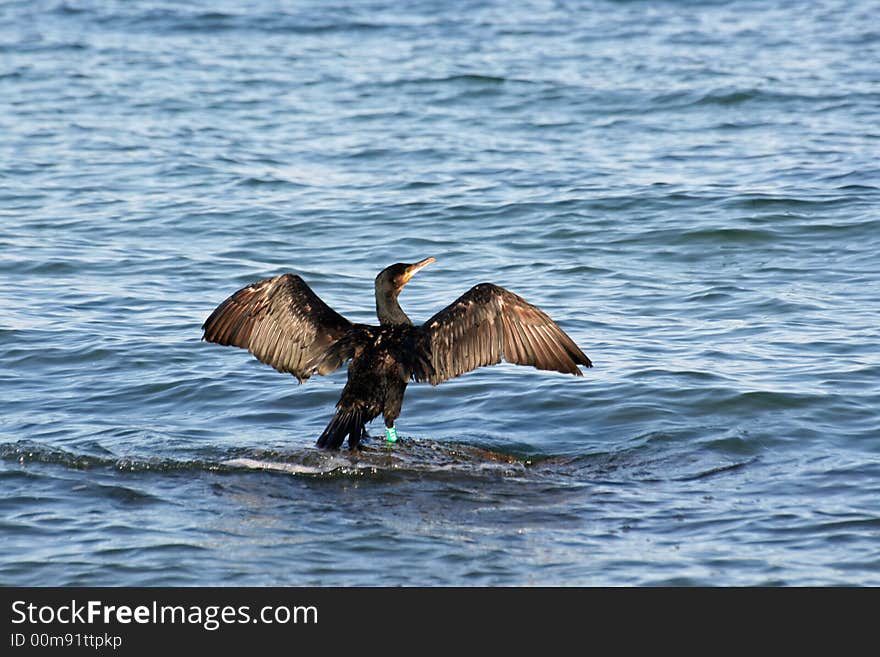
(285, 324)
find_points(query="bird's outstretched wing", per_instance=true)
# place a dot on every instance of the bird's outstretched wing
(488, 323)
(283, 323)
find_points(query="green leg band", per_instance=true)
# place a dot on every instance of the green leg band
(391, 434)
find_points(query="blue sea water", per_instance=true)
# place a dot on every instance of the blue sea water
(691, 189)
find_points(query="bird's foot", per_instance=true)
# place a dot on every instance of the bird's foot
(391, 434)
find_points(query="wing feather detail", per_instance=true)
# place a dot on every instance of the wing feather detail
(488, 324)
(282, 322)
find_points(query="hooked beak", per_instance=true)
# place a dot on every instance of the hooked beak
(412, 269)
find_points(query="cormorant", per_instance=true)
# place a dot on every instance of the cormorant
(285, 324)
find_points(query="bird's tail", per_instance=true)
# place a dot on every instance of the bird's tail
(347, 422)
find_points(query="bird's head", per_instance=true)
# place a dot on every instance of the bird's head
(393, 278)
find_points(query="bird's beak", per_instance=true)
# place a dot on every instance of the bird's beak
(412, 269)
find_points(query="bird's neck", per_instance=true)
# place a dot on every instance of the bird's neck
(388, 309)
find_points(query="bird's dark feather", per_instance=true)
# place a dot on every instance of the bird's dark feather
(487, 324)
(283, 323)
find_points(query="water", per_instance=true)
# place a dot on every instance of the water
(689, 188)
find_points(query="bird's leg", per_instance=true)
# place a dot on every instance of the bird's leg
(390, 432)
